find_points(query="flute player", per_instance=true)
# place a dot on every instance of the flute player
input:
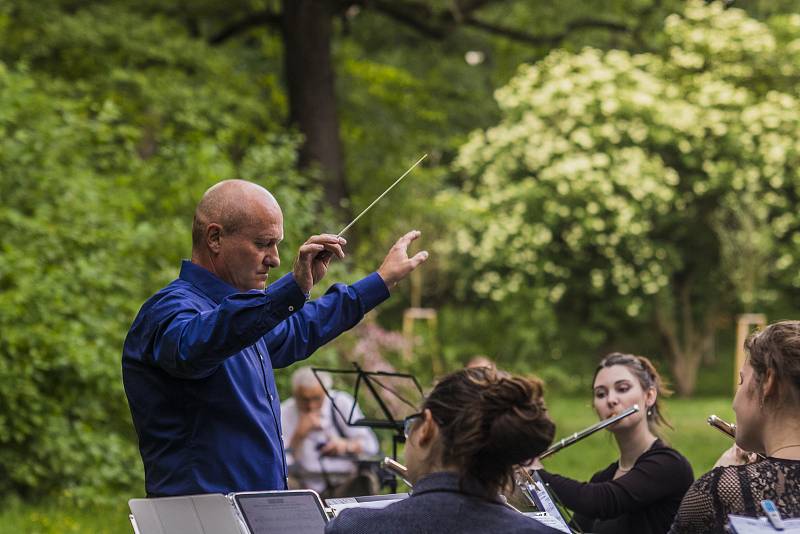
(767, 407)
(198, 361)
(640, 492)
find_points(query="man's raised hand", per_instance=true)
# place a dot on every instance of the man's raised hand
(397, 265)
(314, 257)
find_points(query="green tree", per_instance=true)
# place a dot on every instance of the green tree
(113, 124)
(312, 33)
(618, 188)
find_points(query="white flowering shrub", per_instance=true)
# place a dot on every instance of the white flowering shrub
(624, 188)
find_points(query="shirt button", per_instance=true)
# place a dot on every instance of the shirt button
(291, 308)
(270, 397)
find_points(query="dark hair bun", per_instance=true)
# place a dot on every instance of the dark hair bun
(490, 421)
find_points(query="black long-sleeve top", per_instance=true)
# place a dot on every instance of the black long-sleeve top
(642, 501)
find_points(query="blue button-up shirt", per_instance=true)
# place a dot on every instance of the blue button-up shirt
(197, 368)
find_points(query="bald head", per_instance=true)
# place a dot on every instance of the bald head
(231, 204)
(236, 231)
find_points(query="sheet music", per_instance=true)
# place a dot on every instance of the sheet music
(372, 501)
(295, 514)
(759, 525)
(545, 503)
(547, 519)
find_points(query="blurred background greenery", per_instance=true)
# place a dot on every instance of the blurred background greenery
(604, 178)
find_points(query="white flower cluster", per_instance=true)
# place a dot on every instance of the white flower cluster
(604, 162)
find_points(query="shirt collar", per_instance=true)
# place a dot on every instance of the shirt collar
(206, 281)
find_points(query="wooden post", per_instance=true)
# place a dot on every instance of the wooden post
(744, 325)
(417, 313)
(410, 315)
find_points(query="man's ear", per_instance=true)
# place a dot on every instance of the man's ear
(213, 236)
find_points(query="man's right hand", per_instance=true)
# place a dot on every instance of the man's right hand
(397, 265)
(313, 259)
(307, 422)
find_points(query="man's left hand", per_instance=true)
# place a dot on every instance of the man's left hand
(397, 265)
(335, 447)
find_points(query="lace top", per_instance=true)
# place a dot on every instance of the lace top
(739, 490)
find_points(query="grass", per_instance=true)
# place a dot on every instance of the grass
(692, 437)
(62, 518)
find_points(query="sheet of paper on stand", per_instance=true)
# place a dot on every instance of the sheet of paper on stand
(367, 501)
(759, 525)
(549, 520)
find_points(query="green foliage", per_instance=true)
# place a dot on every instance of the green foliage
(621, 187)
(101, 163)
(115, 116)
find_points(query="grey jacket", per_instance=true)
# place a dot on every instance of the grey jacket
(438, 506)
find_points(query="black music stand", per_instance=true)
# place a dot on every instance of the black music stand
(382, 386)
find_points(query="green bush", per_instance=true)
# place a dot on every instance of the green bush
(101, 165)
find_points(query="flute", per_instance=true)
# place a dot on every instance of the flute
(397, 468)
(729, 429)
(577, 436)
(725, 427)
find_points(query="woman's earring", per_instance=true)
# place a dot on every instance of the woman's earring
(649, 411)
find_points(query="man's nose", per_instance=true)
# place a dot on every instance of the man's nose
(272, 259)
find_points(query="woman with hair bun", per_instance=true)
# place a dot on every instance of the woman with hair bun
(640, 492)
(767, 407)
(474, 427)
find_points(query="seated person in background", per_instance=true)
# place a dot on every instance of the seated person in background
(640, 492)
(480, 360)
(322, 447)
(475, 426)
(767, 407)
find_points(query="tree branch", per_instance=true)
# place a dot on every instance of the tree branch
(465, 8)
(419, 17)
(643, 16)
(262, 18)
(667, 328)
(539, 40)
(416, 16)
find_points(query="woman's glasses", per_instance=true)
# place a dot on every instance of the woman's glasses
(408, 423)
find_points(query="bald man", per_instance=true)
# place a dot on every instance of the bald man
(197, 362)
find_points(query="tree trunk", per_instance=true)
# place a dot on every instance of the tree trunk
(307, 33)
(687, 339)
(684, 368)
